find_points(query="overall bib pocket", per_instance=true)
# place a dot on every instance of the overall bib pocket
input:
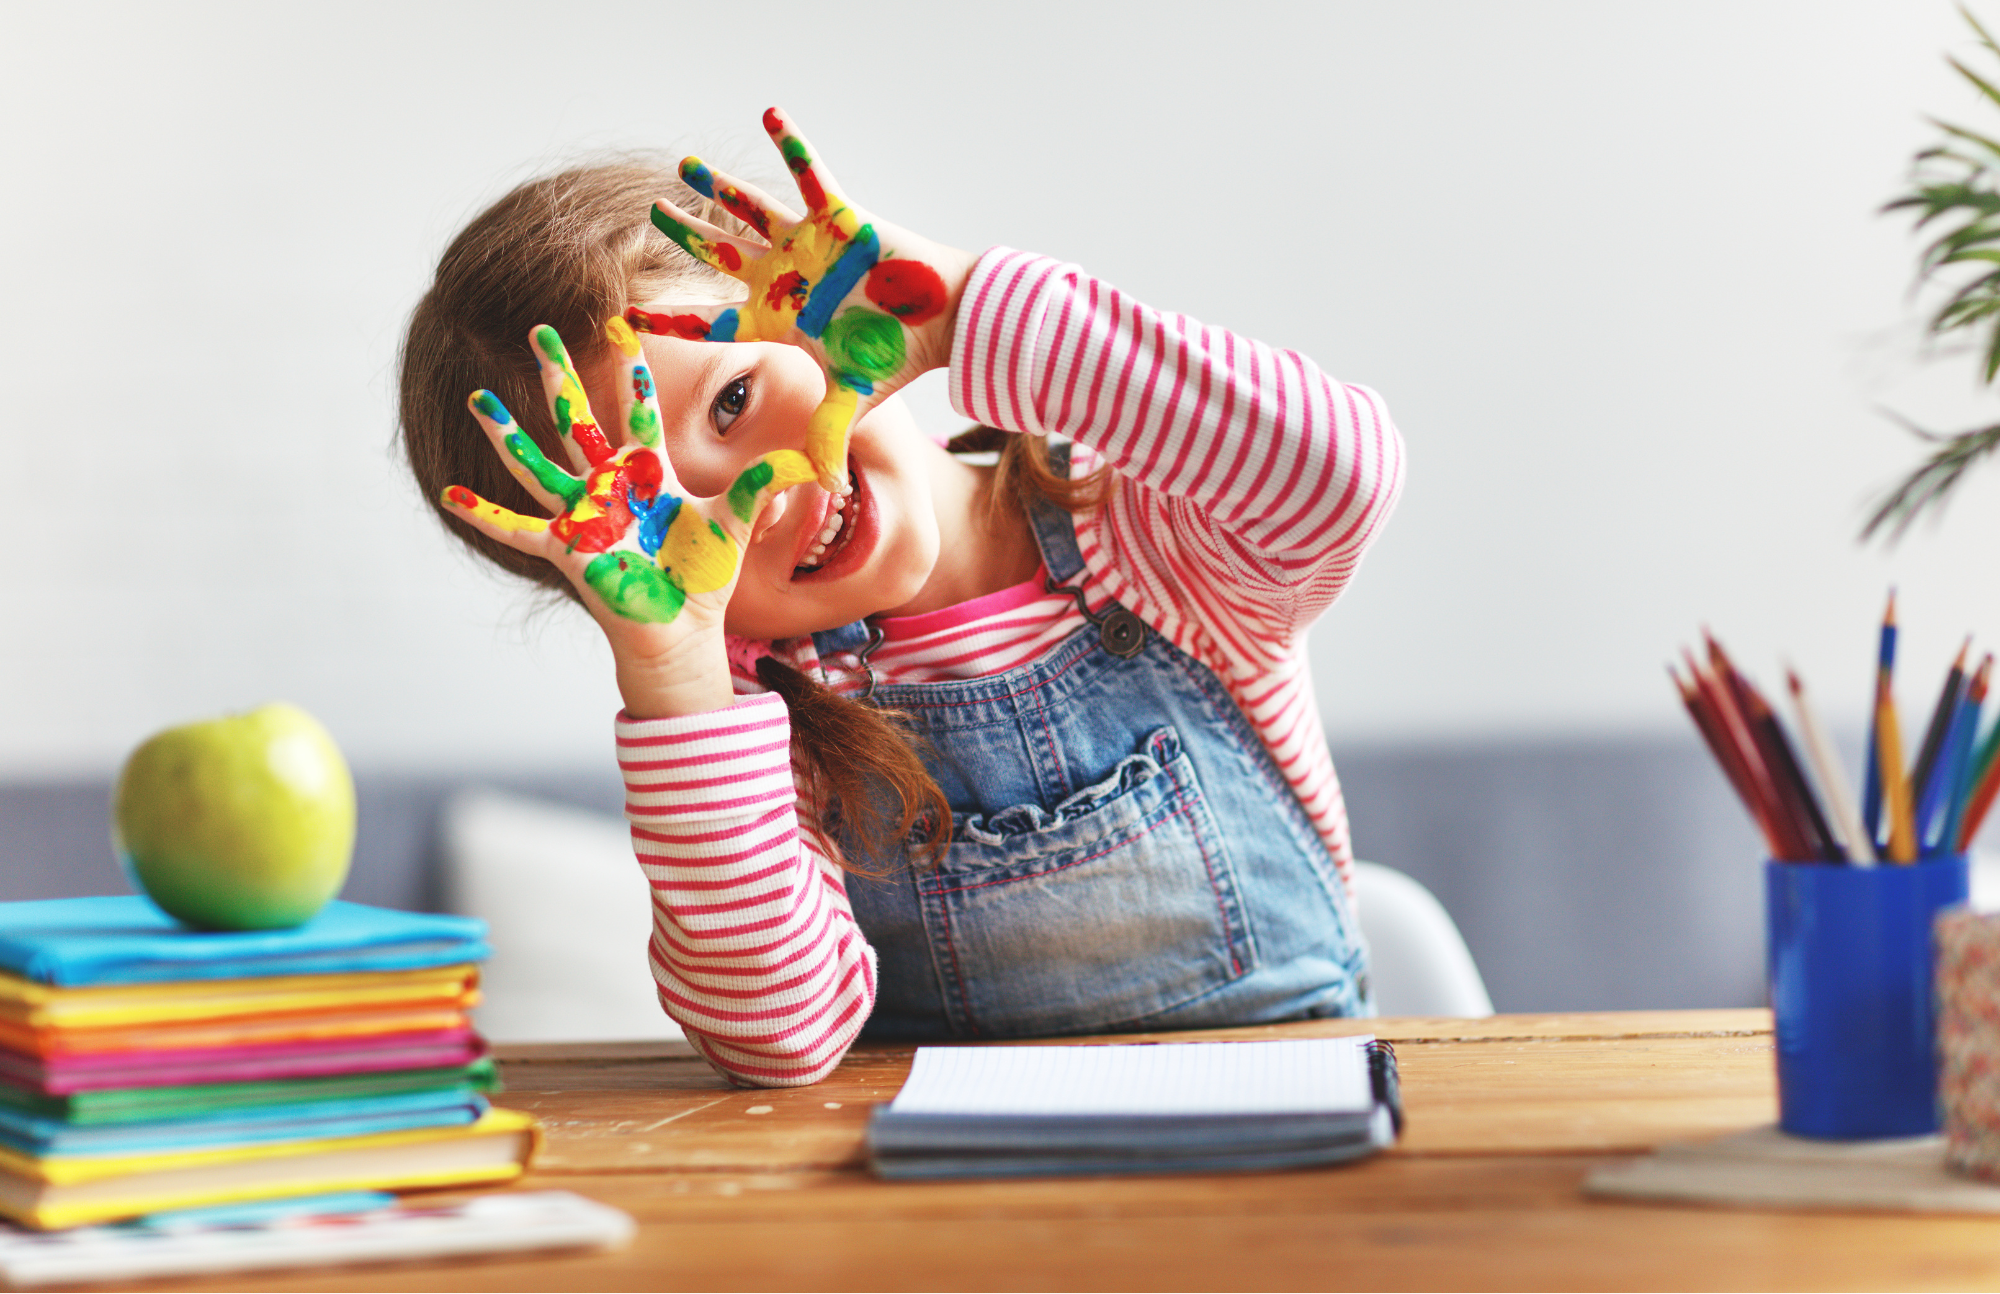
(1117, 904)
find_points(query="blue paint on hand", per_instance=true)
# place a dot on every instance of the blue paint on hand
(654, 518)
(698, 177)
(724, 327)
(831, 290)
(489, 404)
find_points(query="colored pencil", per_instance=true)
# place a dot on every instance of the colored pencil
(1718, 745)
(1841, 811)
(1722, 702)
(1984, 782)
(1985, 787)
(1792, 797)
(1746, 768)
(1791, 778)
(1895, 785)
(1957, 774)
(1871, 775)
(1925, 787)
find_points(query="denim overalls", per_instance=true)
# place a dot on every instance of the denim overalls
(1125, 853)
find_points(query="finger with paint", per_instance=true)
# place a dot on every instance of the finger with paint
(576, 426)
(714, 247)
(639, 401)
(746, 202)
(816, 184)
(552, 487)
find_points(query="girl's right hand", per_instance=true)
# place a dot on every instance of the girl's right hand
(655, 568)
(873, 304)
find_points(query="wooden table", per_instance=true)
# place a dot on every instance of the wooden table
(766, 1189)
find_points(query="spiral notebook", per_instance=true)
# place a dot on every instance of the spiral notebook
(1162, 1108)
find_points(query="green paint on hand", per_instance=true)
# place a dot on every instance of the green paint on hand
(634, 587)
(552, 347)
(743, 494)
(865, 342)
(546, 474)
(644, 425)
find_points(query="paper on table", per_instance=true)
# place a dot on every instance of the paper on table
(1296, 1076)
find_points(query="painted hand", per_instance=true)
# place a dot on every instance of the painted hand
(620, 527)
(872, 303)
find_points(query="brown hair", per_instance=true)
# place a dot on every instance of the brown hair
(570, 250)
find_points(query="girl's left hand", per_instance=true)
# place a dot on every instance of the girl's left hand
(874, 304)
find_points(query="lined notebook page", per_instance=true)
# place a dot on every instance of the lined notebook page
(1296, 1076)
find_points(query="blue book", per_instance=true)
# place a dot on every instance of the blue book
(311, 1121)
(124, 939)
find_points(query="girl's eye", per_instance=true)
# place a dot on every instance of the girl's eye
(729, 406)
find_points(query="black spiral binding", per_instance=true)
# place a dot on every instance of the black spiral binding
(1382, 1076)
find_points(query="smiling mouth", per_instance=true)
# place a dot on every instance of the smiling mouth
(837, 529)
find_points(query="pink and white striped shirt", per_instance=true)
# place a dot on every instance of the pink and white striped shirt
(1250, 484)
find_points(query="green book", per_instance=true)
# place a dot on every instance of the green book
(144, 1104)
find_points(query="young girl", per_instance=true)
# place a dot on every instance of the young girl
(915, 745)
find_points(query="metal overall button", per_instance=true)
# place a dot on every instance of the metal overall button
(1122, 633)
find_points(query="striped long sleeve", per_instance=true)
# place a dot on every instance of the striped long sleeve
(754, 949)
(1250, 483)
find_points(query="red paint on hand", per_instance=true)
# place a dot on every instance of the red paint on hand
(685, 327)
(642, 475)
(726, 253)
(791, 284)
(590, 439)
(461, 496)
(909, 290)
(745, 210)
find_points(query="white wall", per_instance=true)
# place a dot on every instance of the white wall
(1616, 268)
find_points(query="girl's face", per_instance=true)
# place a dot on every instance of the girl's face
(724, 405)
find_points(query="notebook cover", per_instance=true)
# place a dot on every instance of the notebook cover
(124, 939)
(60, 1077)
(145, 1104)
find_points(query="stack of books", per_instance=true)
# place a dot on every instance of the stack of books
(145, 1066)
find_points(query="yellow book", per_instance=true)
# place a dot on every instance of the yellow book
(68, 1191)
(42, 1006)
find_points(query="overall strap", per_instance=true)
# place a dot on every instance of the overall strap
(846, 638)
(1055, 529)
(1123, 634)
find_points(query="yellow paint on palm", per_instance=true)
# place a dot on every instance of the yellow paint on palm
(826, 433)
(780, 281)
(698, 553)
(492, 513)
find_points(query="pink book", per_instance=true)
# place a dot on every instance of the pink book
(418, 1050)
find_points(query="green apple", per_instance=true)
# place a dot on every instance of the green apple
(241, 823)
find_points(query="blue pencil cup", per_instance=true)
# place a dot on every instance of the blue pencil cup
(1849, 952)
